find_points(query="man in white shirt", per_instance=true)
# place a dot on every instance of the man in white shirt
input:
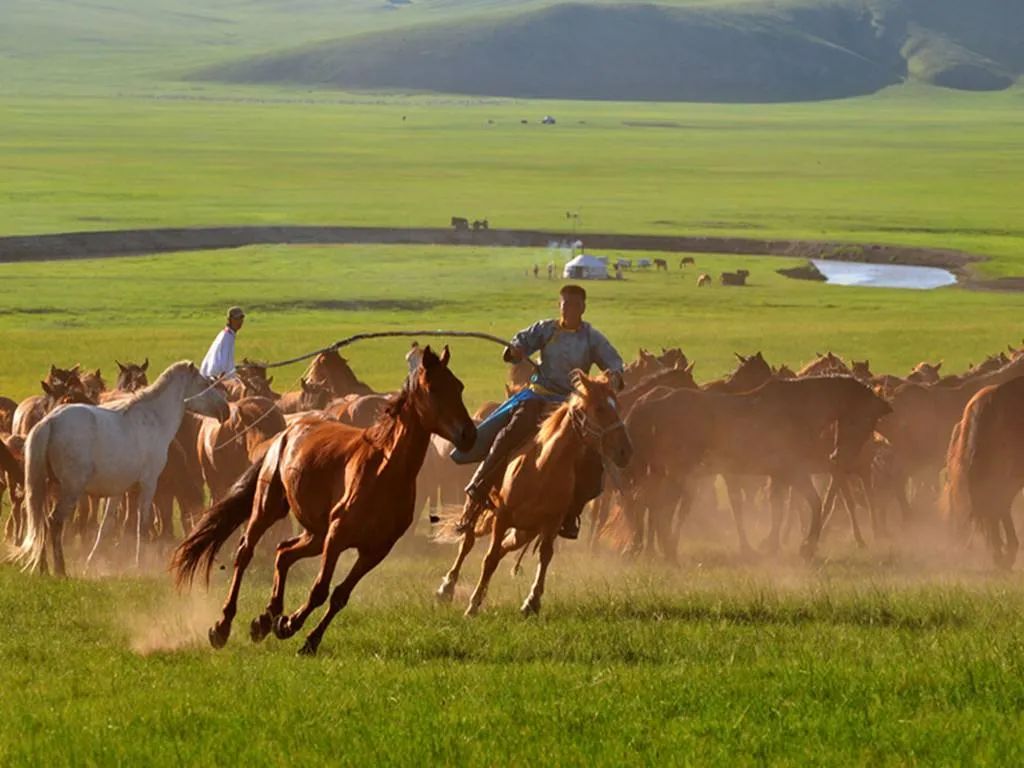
(220, 358)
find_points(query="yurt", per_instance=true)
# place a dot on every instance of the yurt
(586, 267)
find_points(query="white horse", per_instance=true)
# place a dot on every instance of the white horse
(106, 451)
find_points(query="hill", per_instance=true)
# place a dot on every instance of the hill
(725, 52)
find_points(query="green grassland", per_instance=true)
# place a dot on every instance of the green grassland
(904, 654)
(300, 298)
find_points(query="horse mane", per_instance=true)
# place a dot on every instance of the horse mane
(152, 391)
(379, 433)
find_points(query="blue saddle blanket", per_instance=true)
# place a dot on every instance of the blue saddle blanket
(488, 429)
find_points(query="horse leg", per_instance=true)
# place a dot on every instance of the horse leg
(736, 502)
(547, 550)
(850, 502)
(106, 519)
(286, 626)
(288, 553)
(805, 488)
(144, 516)
(446, 591)
(599, 516)
(776, 500)
(258, 525)
(494, 555)
(55, 530)
(365, 562)
(1012, 543)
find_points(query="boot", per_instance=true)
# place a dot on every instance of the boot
(470, 512)
(570, 527)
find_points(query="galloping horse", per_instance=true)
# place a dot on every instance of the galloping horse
(105, 452)
(985, 466)
(539, 485)
(349, 488)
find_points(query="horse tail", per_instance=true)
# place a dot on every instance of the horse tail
(961, 460)
(32, 551)
(204, 541)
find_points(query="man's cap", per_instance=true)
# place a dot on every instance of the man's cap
(235, 312)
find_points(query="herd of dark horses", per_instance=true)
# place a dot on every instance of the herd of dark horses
(944, 450)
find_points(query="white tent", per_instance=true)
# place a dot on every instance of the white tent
(586, 267)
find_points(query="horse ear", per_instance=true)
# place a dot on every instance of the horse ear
(97, 374)
(690, 367)
(270, 380)
(75, 368)
(429, 359)
(446, 355)
(740, 357)
(53, 370)
(121, 367)
(145, 365)
(938, 365)
(47, 389)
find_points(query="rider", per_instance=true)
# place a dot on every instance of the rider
(565, 344)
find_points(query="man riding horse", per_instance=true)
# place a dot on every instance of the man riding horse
(565, 344)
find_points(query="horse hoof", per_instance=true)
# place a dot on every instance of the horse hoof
(307, 649)
(471, 612)
(218, 639)
(282, 630)
(530, 608)
(445, 593)
(260, 628)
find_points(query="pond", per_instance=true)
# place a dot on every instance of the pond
(883, 275)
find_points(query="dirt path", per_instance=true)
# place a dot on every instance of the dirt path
(134, 242)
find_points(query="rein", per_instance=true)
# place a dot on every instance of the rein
(587, 429)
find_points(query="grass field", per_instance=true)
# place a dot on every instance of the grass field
(909, 653)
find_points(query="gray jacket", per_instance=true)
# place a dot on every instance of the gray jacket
(562, 351)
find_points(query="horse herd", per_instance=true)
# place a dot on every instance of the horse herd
(353, 468)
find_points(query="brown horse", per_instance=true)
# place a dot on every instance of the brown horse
(132, 377)
(752, 372)
(925, 373)
(540, 483)
(825, 365)
(12, 479)
(785, 430)
(923, 418)
(311, 397)
(985, 465)
(226, 449)
(7, 409)
(348, 488)
(331, 370)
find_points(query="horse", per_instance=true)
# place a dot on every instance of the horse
(661, 264)
(7, 409)
(785, 430)
(686, 260)
(105, 452)
(32, 410)
(93, 385)
(925, 373)
(329, 369)
(752, 371)
(824, 365)
(739, 277)
(539, 486)
(310, 397)
(861, 371)
(348, 488)
(226, 448)
(132, 377)
(703, 279)
(12, 479)
(985, 466)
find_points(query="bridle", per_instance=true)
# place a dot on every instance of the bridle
(588, 430)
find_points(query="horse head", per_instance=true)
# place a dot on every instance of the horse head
(436, 395)
(132, 377)
(315, 397)
(595, 412)
(203, 397)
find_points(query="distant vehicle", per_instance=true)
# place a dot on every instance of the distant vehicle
(548, 120)
(460, 224)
